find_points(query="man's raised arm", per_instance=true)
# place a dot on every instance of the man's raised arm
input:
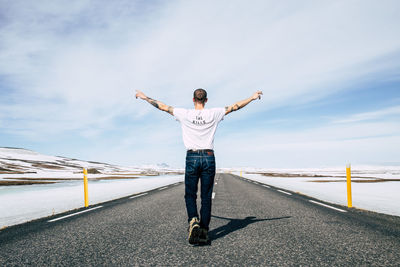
(238, 105)
(157, 104)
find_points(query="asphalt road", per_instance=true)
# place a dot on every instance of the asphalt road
(251, 225)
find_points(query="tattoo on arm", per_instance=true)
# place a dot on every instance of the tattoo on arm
(160, 105)
(153, 102)
(238, 105)
(234, 107)
(228, 109)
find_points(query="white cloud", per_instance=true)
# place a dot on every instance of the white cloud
(320, 146)
(366, 138)
(74, 65)
(373, 115)
(233, 48)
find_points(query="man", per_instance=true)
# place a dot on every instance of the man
(198, 130)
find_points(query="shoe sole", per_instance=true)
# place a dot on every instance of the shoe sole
(204, 241)
(194, 235)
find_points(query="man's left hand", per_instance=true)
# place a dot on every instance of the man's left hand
(139, 94)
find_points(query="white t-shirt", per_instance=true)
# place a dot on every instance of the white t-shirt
(199, 126)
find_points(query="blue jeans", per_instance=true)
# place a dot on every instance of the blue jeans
(199, 165)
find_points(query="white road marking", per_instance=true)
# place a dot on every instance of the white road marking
(70, 215)
(215, 183)
(266, 186)
(287, 193)
(162, 188)
(322, 204)
(139, 195)
(213, 195)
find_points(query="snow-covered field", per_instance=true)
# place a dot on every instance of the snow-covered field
(24, 203)
(52, 184)
(374, 188)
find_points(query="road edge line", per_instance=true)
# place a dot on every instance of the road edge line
(135, 196)
(73, 214)
(325, 205)
(284, 192)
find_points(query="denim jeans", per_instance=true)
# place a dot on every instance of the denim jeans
(199, 165)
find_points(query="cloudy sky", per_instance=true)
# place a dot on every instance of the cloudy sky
(329, 70)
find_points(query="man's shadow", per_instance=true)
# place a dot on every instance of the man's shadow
(236, 224)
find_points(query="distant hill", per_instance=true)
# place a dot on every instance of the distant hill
(23, 161)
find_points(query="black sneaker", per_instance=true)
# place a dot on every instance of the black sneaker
(203, 236)
(194, 231)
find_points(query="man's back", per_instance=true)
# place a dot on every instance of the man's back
(199, 126)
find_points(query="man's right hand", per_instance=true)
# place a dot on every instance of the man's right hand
(140, 95)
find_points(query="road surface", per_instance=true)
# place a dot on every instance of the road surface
(251, 225)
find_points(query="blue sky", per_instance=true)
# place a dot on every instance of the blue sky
(329, 70)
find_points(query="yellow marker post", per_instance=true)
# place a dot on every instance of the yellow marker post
(85, 187)
(348, 174)
(241, 174)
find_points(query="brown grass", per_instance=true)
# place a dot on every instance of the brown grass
(44, 179)
(114, 178)
(174, 173)
(9, 183)
(14, 172)
(47, 166)
(357, 181)
(289, 175)
(31, 181)
(12, 167)
(93, 171)
(72, 179)
(298, 175)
